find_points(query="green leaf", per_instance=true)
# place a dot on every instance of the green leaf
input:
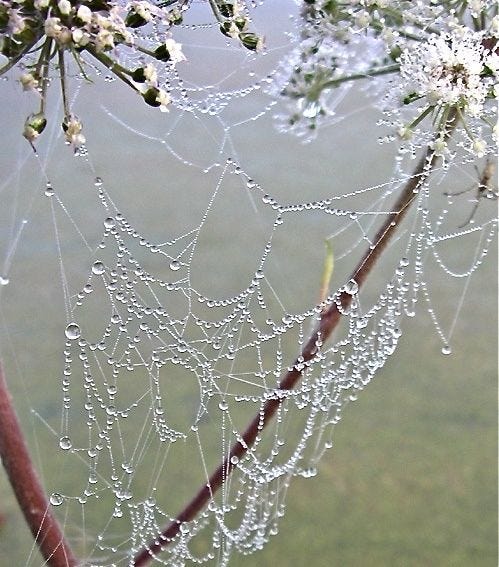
(327, 271)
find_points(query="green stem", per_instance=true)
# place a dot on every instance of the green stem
(216, 11)
(42, 70)
(367, 75)
(379, 26)
(14, 60)
(77, 58)
(421, 117)
(62, 70)
(114, 67)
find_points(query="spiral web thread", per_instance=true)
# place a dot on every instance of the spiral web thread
(161, 372)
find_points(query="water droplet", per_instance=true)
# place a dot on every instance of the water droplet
(65, 443)
(351, 287)
(98, 268)
(174, 265)
(311, 109)
(72, 331)
(56, 499)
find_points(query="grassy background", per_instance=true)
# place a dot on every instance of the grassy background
(412, 477)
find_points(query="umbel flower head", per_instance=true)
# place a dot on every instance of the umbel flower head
(40, 34)
(453, 70)
(425, 60)
(447, 70)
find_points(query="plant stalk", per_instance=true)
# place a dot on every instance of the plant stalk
(27, 487)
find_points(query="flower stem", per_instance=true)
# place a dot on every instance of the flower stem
(330, 318)
(27, 487)
(114, 67)
(12, 62)
(62, 71)
(355, 76)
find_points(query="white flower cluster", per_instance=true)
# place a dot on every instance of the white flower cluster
(38, 34)
(456, 70)
(421, 59)
(37, 29)
(451, 69)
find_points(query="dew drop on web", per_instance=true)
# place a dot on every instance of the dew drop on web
(65, 443)
(56, 499)
(73, 331)
(98, 268)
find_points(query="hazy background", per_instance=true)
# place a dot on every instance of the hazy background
(412, 478)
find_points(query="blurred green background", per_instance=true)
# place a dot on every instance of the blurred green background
(412, 477)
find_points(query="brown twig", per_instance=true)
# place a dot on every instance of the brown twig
(327, 324)
(27, 487)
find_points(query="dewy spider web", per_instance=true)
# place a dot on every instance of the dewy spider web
(177, 336)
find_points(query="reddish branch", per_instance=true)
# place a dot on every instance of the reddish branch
(24, 480)
(328, 322)
(27, 487)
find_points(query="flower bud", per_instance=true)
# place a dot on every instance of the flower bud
(28, 81)
(64, 7)
(151, 96)
(226, 9)
(251, 41)
(134, 20)
(161, 53)
(34, 126)
(72, 130)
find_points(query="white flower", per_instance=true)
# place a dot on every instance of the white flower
(446, 70)
(104, 41)
(16, 23)
(28, 81)
(439, 146)
(41, 4)
(478, 148)
(175, 50)
(84, 14)
(164, 100)
(80, 37)
(492, 62)
(72, 132)
(143, 9)
(405, 133)
(53, 27)
(362, 19)
(151, 75)
(476, 6)
(64, 7)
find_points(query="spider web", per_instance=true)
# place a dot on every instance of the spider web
(189, 257)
